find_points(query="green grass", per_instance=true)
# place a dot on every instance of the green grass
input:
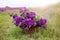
(8, 31)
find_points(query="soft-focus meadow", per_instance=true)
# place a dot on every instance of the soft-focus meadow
(8, 31)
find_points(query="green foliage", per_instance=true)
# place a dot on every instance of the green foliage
(8, 31)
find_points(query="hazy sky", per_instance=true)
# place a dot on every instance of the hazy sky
(27, 3)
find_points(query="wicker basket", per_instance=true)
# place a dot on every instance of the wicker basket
(31, 30)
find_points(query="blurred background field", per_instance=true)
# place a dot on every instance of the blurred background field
(8, 31)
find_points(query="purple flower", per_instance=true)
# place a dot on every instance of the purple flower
(38, 23)
(30, 23)
(2, 9)
(26, 28)
(30, 15)
(27, 20)
(33, 14)
(44, 26)
(18, 20)
(43, 21)
(23, 11)
(27, 15)
(23, 23)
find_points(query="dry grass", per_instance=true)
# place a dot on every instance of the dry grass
(8, 31)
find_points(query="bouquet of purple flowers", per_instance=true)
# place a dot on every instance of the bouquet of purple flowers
(28, 19)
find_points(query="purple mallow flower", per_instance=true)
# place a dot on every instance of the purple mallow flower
(44, 26)
(26, 20)
(17, 20)
(30, 15)
(33, 14)
(2, 9)
(26, 28)
(23, 11)
(23, 23)
(30, 22)
(38, 23)
(43, 21)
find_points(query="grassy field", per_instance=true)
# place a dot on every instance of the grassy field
(8, 31)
